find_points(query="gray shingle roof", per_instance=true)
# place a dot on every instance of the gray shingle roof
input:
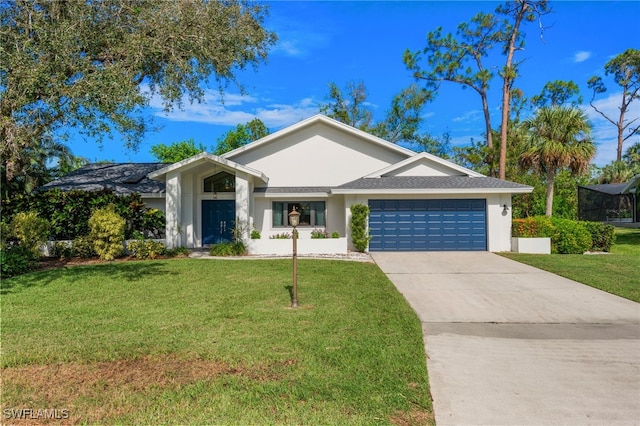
(430, 182)
(122, 178)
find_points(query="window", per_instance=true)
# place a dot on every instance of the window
(312, 213)
(220, 182)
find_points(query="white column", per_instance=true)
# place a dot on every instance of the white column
(242, 204)
(173, 210)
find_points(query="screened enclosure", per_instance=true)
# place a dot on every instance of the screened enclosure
(608, 203)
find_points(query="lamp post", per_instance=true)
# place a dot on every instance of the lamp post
(294, 220)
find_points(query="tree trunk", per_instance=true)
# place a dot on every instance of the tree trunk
(487, 119)
(620, 124)
(550, 182)
(508, 78)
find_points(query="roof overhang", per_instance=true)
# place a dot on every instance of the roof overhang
(204, 158)
(440, 191)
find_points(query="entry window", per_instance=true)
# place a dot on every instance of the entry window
(312, 213)
(220, 182)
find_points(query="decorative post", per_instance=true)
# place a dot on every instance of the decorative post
(294, 220)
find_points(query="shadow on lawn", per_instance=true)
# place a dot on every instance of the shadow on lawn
(123, 271)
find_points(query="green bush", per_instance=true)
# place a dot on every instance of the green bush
(61, 249)
(83, 247)
(16, 260)
(319, 234)
(146, 249)
(570, 237)
(255, 234)
(602, 235)
(283, 236)
(107, 232)
(228, 249)
(359, 233)
(532, 227)
(31, 230)
(177, 252)
(335, 234)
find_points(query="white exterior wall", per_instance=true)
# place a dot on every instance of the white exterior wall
(317, 155)
(155, 203)
(424, 168)
(262, 220)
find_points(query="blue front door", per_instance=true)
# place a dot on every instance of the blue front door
(218, 220)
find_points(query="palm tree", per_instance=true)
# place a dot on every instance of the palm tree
(559, 138)
(616, 172)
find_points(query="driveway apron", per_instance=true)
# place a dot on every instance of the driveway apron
(509, 344)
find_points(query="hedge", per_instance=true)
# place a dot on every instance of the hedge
(567, 236)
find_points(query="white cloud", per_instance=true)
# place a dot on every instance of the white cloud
(469, 116)
(581, 56)
(232, 109)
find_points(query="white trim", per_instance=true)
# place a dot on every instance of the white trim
(409, 191)
(426, 156)
(319, 118)
(304, 195)
(206, 157)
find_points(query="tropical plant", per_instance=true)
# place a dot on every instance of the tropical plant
(359, 232)
(107, 233)
(559, 138)
(31, 230)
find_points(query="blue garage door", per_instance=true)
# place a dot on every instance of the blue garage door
(428, 225)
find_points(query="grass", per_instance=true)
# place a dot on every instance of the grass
(194, 341)
(617, 272)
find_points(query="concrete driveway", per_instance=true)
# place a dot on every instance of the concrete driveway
(507, 343)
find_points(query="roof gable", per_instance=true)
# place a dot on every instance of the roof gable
(318, 118)
(203, 158)
(424, 164)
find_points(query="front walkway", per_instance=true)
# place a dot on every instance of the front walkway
(510, 344)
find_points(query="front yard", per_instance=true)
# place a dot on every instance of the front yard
(617, 272)
(193, 341)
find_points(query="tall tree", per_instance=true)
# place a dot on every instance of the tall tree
(459, 60)
(241, 135)
(92, 65)
(517, 12)
(556, 93)
(559, 138)
(350, 108)
(632, 155)
(176, 151)
(625, 69)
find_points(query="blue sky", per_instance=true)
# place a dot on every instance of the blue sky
(322, 42)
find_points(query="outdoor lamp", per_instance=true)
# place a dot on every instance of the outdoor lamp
(505, 209)
(294, 220)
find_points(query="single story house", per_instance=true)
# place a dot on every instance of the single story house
(321, 167)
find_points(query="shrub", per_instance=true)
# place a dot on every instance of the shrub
(602, 235)
(16, 260)
(107, 232)
(319, 234)
(255, 234)
(177, 252)
(83, 247)
(146, 249)
(532, 227)
(283, 236)
(228, 249)
(31, 230)
(570, 237)
(61, 249)
(335, 234)
(359, 233)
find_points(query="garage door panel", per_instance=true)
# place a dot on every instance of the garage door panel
(428, 225)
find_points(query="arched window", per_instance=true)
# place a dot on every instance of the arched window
(220, 182)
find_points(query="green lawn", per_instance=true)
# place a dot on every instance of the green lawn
(194, 341)
(617, 272)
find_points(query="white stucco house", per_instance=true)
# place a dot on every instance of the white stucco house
(321, 167)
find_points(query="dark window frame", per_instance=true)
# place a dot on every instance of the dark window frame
(220, 182)
(312, 215)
